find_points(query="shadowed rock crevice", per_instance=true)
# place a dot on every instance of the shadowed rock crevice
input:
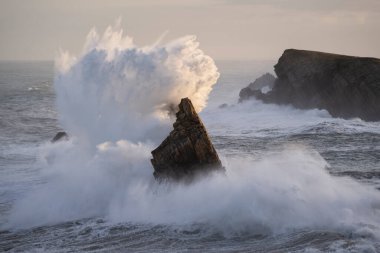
(187, 152)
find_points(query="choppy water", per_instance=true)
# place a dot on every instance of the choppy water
(284, 202)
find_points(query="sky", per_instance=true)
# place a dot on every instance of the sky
(226, 29)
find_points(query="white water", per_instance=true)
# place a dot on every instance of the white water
(116, 90)
(114, 101)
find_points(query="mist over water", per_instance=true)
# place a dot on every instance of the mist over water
(115, 100)
(116, 90)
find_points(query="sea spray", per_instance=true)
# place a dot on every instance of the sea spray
(276, 193)
(114, 100)
(116, 90)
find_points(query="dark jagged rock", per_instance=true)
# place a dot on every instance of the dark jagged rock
(346, 86)
(222, 106)
(267, 80)
(60, 136)
(187, 151)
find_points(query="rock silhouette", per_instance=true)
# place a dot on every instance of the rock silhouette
(187, 152)
(60, 136)
(267, 80)
(346, 86)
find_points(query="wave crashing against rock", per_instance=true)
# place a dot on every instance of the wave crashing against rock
(187, 151)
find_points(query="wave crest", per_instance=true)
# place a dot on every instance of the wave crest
(116, 89)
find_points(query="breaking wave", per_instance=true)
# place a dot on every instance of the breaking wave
(116, 90)
(115, 101)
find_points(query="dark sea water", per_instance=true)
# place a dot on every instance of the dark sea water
(297, 180)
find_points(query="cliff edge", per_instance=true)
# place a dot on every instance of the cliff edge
(346, 86)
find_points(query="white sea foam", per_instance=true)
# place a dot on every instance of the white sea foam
(113, 100)
(279, 192)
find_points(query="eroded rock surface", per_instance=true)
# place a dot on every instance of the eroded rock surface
(265, 81)
(187, 152)
(346, 86)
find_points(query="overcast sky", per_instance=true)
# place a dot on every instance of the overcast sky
(226, 29)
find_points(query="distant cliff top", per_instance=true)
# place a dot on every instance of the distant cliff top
(346, 86)
(310, 53)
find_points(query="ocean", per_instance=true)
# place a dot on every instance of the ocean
(296, 180)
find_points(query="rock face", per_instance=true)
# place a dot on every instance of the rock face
(60, 136)
(265, 81)
(187, 151)
(345, 86)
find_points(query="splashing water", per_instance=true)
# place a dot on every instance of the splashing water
(116, 90)
(115, 100)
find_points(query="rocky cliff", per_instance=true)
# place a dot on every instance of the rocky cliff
(187, 151)
(265, 81)
(345, 86)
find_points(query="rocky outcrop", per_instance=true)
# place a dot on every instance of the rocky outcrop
(345, 86)
(265, 81)
(187, 151)
(222, 106)
(60, 136)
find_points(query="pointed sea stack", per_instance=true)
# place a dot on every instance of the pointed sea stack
(187, 152)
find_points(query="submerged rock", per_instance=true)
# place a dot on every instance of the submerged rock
(346, 86)
(60, 136)
(222, 106)
(187, 152)
(265, 81)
